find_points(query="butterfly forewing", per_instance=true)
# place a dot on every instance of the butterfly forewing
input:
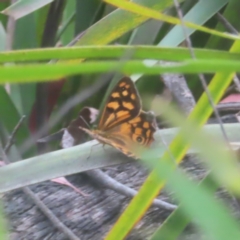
(122, 105)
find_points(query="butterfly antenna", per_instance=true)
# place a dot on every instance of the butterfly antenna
(85, 121)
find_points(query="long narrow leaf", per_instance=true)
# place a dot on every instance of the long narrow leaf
(147, 12)
(38, 169)
(117, 23)
(196, 15)
(178, 220)
(216, 220)
(199, 14)
(44, 72)
(139, 52)
(178, 149)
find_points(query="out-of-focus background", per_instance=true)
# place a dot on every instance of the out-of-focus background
(59, 61)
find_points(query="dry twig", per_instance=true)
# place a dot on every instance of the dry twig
(11, 137)
(116, 186)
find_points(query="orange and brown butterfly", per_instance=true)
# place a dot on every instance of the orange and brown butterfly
(122, 123)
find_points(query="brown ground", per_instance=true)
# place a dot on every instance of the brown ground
(89, 217)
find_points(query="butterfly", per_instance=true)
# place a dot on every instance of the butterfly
(123, 124)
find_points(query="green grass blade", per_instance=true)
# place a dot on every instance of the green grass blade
(223, 164)
(117, 23)
(44, 72)
(178, 149)
(168, 228)
(198, 14)
(199, 203)
(139, 52)
(178, 220)
(147, 12)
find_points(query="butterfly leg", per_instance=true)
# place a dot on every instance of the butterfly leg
(91, 150)
(106, 150)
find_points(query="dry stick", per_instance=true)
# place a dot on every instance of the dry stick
(46, 211)
(232, 106)
(177, 85)
(201, 76)
(10, 141)
(116, 186)
(236, 82)
(102, 178)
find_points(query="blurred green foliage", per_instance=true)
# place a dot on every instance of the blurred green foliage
(45, 23)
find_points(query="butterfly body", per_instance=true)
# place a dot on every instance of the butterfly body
(123, 124)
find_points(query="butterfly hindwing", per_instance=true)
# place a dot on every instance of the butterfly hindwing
(122, 105)
(133, 134)
(143, 128)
